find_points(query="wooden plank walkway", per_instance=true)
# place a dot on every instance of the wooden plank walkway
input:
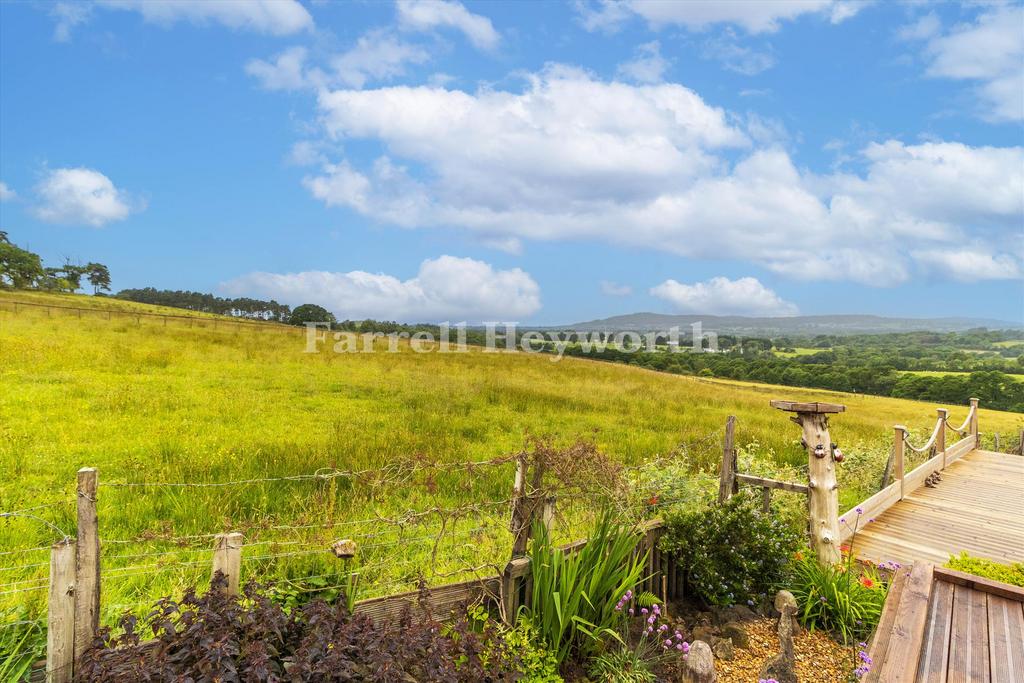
(977, 507)
(941, 625)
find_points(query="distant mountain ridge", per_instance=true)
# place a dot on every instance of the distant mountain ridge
(802, 325)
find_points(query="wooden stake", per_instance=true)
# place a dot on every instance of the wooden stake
(520, 516)
(766, 500)
(898, 447)
(727, 484)
(823, 494)
(87, 562)
(974, 422)
(227, 559)
(940, 441)
(60, 626)
(548, 513)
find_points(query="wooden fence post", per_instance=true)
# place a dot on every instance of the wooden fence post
(1020, 443)
(87, 562)
(974, 422)
(898, 448)
(940, 441)
(823, 490)
(520, 518)
(727, 484)
(996, 442)
(766, 500)
(548, 513)
(60, 625)
(227, 559)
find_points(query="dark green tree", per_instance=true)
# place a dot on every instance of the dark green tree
(310, 313)
(99, 277)
(19, 268)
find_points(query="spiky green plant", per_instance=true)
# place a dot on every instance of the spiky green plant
(574, 593)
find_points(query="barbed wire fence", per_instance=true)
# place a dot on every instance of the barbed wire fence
(455, 552)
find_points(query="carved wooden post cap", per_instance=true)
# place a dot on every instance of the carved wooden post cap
(816, 407)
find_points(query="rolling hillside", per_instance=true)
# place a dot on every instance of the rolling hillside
(166, 407)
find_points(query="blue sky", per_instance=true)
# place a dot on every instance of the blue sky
(538, 162)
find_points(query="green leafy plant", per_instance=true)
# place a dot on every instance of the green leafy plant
(645, 642)
(536, 663)
(836, 597)
(22, 642)
(731, 552)
(1012, 574)
(574, 592)
(845, 598)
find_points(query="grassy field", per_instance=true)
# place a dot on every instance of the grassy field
(942, 373)
(798, 351)
(170, 402)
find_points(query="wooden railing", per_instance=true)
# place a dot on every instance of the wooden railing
(906, 483)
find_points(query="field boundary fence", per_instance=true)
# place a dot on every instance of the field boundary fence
(458, 574)
(213, 320)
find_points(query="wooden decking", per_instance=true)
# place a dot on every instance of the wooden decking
(977, 507)
(940, 625)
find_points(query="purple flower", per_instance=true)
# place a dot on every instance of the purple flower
(859, 511)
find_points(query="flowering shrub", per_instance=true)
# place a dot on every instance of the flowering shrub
(644, 641)
(731, 553)
(862, 661)
(214, 637)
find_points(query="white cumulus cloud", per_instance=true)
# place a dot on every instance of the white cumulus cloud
(988, 51)
(81, 196)
(647, 66)
(615, 289)
(573, 157)
(970, 264)
(754, 16)
(445, 288)
(275, 17)
(425, 15)
(6, 193)
(722, 296)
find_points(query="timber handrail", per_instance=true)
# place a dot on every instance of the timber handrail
(906, 483)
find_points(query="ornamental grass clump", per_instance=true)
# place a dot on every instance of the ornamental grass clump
(574, 593)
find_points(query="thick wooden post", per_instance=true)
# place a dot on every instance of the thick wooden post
(227, 559)
(899, 446)
(974, 422)
(87, 562)
(823, 493)
(996, 443)
(766, 500)
(548, 513)
(60, 625)
(940, 441)
(520, 515)
(727, 484)
(1020, 443)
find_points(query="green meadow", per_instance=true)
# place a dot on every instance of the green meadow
(165, 407)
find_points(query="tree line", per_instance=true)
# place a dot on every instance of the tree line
(23, 269)
(241, 307)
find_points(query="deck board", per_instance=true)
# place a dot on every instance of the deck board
(977, 507)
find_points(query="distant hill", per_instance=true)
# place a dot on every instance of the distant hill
(803, 325)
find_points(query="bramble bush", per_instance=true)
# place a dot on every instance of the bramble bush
(731, 552)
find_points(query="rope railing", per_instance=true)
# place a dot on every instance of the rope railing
(962, 429)
(939, 425)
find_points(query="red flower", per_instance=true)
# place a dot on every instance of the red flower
(844, 549)
(653, 500)
(867, 582)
